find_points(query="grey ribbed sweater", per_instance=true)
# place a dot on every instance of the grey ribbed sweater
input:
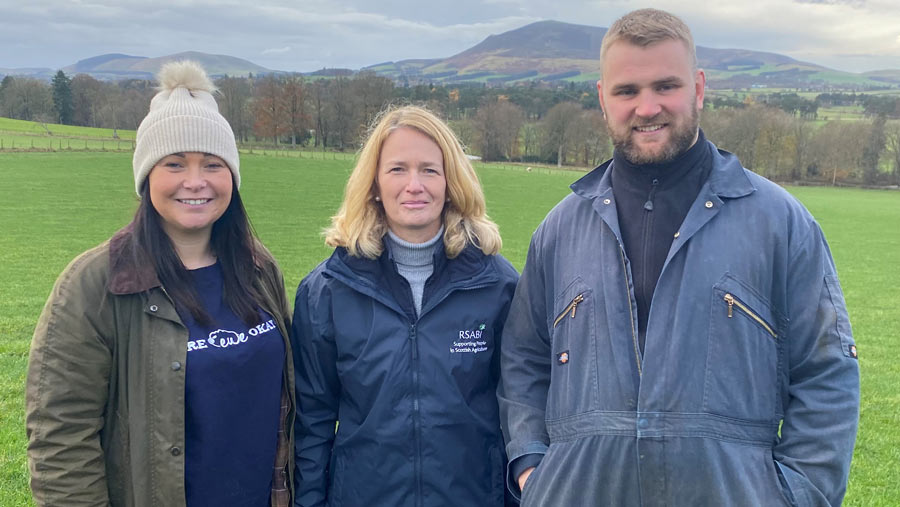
(415, 262)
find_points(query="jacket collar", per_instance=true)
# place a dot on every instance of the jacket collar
(727, 178)
(470, 263)
(130, 270)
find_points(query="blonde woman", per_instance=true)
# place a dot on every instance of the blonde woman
(396, 335)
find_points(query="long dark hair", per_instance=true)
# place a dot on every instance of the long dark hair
(232, 240)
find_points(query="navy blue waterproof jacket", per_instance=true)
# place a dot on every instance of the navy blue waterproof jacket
(415, 396)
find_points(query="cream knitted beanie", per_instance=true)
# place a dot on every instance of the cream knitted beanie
(183, 117)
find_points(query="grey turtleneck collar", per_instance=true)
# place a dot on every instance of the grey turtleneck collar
(415, 262)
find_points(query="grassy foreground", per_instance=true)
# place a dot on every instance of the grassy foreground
(55, 205)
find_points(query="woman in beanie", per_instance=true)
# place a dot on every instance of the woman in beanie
(160, 369)
(397, 334)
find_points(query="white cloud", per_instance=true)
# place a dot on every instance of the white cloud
(310, 34)
(276, 51)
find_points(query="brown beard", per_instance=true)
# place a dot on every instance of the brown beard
(682, 139)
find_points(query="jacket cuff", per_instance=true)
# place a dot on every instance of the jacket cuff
(521, 464)
(532, 455)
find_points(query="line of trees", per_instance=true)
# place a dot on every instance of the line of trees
(772, 134)
(81, 100)
(785, 147)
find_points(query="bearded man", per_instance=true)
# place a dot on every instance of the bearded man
(678, 335)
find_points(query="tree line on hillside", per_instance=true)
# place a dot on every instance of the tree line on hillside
(785, 147)
(773, 134)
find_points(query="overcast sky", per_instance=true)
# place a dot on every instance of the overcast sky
(307, 35)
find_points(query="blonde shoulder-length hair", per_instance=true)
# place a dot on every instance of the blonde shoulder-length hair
(360, 223)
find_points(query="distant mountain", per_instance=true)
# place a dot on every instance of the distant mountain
(548, 51)
(118, 66)
(113, 62)
(36, 72)
(556, 51)
(886, 75)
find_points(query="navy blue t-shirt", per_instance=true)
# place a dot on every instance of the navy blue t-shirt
(232, 402)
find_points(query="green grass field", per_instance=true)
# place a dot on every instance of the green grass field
(55, 205)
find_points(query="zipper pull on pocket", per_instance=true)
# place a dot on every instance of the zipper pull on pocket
(570, 310)
(732, 301)
(575, 302)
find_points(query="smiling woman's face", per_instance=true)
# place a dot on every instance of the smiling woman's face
(190, 191)
(411, 184)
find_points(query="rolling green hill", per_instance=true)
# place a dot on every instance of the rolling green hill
(118, 66)
(556, 51)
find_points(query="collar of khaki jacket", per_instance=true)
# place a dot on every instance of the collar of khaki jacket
(130, 270)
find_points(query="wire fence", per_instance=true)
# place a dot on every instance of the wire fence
(14, 142)
(25, 143)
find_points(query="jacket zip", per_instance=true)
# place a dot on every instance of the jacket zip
(417, 423)
(733, 301)
(571, 308)
(637, 350)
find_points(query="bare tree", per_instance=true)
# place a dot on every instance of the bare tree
(736, 130)
(802, 134)
(343, 106)
(892, 145)
(26, 98)
(234, 104)
(532, 140)
(591, 138)
(318, 101)
(135, 104)
(372, 93)
(110, 111)
(498, 124)
(774, 148)
(466, 132)
(836, 149)
(872, 149)
(86, 99)
(559, 129)
(270, 118)
(295, 104)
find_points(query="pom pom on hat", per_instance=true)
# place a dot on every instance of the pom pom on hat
(184, 74)
(183, 117)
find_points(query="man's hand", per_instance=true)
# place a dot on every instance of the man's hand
(524, 477)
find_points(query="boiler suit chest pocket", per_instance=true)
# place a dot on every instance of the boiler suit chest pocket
(573, 382)
(744, 355)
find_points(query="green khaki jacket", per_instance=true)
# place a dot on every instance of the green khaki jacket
(104, 394)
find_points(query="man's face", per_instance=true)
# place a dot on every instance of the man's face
(651, 97)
